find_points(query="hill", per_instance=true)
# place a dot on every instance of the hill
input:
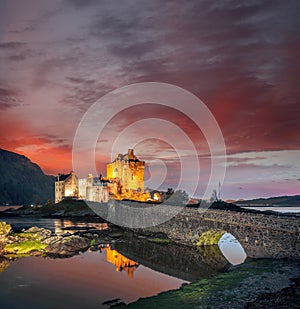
(272, 201)
(22, 181)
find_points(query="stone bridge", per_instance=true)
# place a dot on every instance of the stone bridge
(261, 235)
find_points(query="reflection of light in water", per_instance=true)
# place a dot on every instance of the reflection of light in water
(120, 261)
(61, 226)
(232, 249)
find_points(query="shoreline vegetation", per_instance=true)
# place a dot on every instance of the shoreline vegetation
(254, 284)
(259, 283)
(37, 241)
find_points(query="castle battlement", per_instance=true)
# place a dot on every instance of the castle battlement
(128, 171)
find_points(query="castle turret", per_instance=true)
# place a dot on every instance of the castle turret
(128, 170)
(130, 154)
(90, 179)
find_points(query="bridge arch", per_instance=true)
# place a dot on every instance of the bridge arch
(261, 235)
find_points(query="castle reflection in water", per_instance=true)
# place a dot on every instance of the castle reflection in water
(120, 261)
(112, 256)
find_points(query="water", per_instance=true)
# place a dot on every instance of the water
(124, 270)
(293, 209)
(2, 208)
(58, 226)
(83, 281)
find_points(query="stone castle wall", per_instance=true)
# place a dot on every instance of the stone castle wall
(97, 194)
(129, 170)
(66, 188)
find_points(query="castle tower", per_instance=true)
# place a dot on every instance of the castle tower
(128, 170)
(130, 154)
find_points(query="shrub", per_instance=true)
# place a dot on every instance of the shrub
(178, 198)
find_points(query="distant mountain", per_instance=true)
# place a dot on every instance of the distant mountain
(23, 182)
(274, 201)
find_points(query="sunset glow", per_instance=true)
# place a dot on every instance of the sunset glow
(241, 59)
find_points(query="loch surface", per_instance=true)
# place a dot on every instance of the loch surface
(121, 271)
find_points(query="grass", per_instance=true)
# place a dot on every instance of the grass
(210, 237)
(163, 241)
(24, 247)
(214, 291)
(27, 235)
(92, 242)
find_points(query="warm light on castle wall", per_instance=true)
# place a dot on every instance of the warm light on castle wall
(68, 192)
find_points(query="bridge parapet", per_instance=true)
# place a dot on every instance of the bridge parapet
(261, 235)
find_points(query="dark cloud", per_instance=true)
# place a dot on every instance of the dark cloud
(81, 3)
(78, 80)
(52, 138)
(18, 57)
(11, 45)
(9, 98)
(82, 92)
(240, 58)
(25, 29)
(13, 51)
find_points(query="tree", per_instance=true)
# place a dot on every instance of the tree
(214, 196)
(178, 198)
(169, 192)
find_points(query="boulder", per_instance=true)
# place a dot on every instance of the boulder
(4, 263)
(52, 240)
(66, 245)
(39, 233)
(4, 229)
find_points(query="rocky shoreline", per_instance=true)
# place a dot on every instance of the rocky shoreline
(255, 284)
(64, 209)
(37, 241)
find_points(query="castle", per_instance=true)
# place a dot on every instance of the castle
(124, 180)
(66, 186)
(128, 172)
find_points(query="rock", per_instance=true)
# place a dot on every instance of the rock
(4, 263)
(97, 232)
(161, 235)
(41, 240)
(39, 232)
(4, 229)
(67, 245)
(115, 235)
(114, 232)
(60, 213)
(89, 235)
(52, 240)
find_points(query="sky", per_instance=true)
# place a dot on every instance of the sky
(240, 58)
